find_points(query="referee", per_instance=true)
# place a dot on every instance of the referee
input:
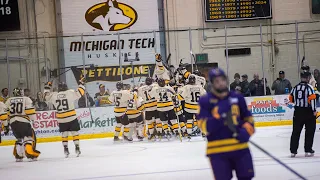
(304, 99)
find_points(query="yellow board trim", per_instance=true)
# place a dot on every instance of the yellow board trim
(111, 134)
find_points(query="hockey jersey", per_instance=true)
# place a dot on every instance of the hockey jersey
(20, 109)
(63, 101)
(121, 99)
(177, 103)
(191, 94)
(164, 96)
(213, 123)
(135, 106)
(3, 114)
(149, 103)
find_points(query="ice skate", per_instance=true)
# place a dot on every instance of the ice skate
(78, 152)
(159, 136)
(293, 155)
(168, 136)
(152, 137)
(116, 139)
(19, 160)
(189, 137)
(125, 138)
(310, 153)
(140, 138)
(66, 152)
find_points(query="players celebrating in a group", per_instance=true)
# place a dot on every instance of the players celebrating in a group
(63, 101)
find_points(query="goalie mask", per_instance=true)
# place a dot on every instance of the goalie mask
(17, 92)
(62, 86)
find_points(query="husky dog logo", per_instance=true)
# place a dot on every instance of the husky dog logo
(111, 16)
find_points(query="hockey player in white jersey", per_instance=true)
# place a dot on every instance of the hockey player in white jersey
(63, 101)
(184, 73)
(3, 119)
(121, 98)
(191, 94)
(21, 114)
(150, 105)
(134, 113)
(164, 96)
(178, 107)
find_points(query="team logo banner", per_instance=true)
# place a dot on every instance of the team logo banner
(112, 73)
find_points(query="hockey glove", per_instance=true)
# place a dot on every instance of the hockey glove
(82, 81)
(245, 132)
(6, 130)
(231, 124)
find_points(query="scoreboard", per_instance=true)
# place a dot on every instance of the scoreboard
(9, 15)
(223, 10)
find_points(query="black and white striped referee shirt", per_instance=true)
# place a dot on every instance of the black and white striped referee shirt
(303, 95)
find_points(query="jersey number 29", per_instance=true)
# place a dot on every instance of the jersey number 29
(63, 103)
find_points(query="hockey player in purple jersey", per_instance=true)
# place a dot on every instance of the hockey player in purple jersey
(227, 122)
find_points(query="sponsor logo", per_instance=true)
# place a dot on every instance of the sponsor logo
(265, 105)
(111, 16)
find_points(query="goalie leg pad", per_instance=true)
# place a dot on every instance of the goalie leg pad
(18, 149)
(29, 148)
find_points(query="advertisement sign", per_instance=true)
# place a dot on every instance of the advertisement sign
(270, 108)
(110, 37)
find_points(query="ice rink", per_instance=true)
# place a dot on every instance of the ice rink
(101, 159)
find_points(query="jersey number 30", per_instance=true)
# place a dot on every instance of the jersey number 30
(16, 108)
(63, 103)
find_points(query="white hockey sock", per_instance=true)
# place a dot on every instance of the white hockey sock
(75, 137)
(175, 125)
(165, 126)
(139, 128)
(65, 138)
(126, 130)
(159, 125)
(151, 126)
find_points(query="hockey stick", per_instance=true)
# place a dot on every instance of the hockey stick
(233, 129)
(178, 120)
(194, 60)
(277, 160)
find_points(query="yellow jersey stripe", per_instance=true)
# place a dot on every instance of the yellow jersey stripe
(226, 149)
(81, 90)
(30, 111)
(22, 116)
(132, 112)
(224, 142)
(66, 114)
(180, 97)
(166, 104)
(141, 108)
(151, 104)
(186, 75)
(191, 106)
(4, 117)
(120, 109)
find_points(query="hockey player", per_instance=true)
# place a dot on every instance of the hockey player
(228, 124)
(21, 114)
(164, 96)
(134, 113)
(161, 71)
(184, 73)
(200, 80)
(63, 101)
(191, 94)
(3, 119)
(178, 107)
(121, 98)
(150, 105)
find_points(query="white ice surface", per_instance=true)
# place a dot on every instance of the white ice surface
(101, 159)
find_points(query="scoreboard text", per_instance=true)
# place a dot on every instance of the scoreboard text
(221, 10)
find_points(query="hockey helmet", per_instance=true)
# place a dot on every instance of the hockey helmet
(17, 92)
(149, 81)
(161, 82)
(305, 74)
(197, 72)
(220, 86)
(192, 79)
(119, 85)
(158, 58)
(62, 86)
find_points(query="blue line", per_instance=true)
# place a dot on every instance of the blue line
(139, 174)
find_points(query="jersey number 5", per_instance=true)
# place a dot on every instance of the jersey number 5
(16, 108)
(63, 103)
